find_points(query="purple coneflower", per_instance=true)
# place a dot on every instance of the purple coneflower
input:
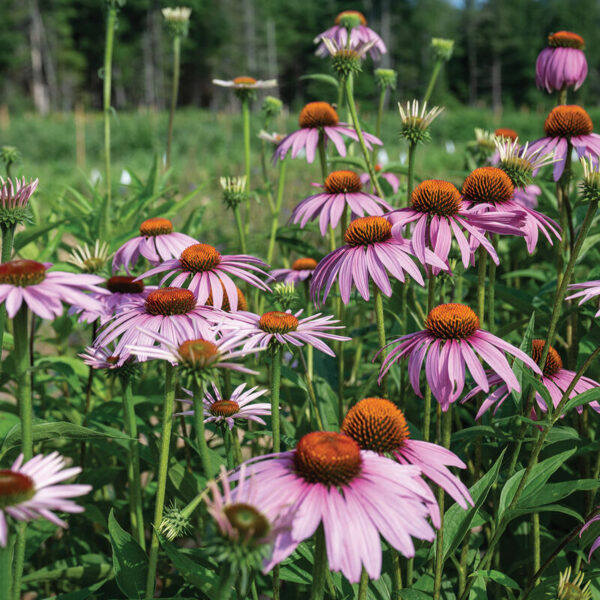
(157, 242)
(239, 406)
(14, 198)
(341, 189)
(568, 125)
(246, 83)
(492, 186)
(391, 178)
(356, 495)
(28, 491)
(174, 313)
(44, 291)
(452, 342)
(205, 271)
(437, 214)
(562, 63)
(370, 252)
(554, 378)
(588, 290)
(379, 425)
(527, 196)
(302, 269)
(319, 119)
(360, 35)
(259, 331)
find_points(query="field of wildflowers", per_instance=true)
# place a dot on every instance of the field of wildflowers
(376, 379)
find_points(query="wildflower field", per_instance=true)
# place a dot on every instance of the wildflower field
(286, 352)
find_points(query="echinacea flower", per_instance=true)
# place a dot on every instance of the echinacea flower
(90, 260)
(177, 14)
(588, 290)
(416, 120)
(174, 313)
(391, 178)
(573, 590)
(301, 270)
(596, 543)
(28, 491)
(242, 303)
(521, 163)
(568, 125)
(341, 189)
(379, 425)
(360, 35)
(239, 406)
(370, 252)
(554, 378)
(438, 214)
(503, 133)
(246, 83)
(319, 119)
(562, 63)
(346, 61)
(259, 331)
(14, 201)
(206, 272)
(356, 495)
(272, 138)
(527, 196)
(492, 186)
(452, 341)
(44, 291)
(157, 242)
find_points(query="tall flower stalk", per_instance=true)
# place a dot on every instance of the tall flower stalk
(442, 52)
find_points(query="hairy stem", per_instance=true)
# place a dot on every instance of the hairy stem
(174, 94)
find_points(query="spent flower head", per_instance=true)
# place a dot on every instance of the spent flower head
(177, 20)
(590, 186)
(442, 49)
(416, 120)
(90, 260)
(14, 201)
(386, 78)
(234, 190)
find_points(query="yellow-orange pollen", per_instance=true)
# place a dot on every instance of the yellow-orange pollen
(304, 264)
(351, 13)
(436, 197)
(170, 301)
(278, 322)
(199, 258)
(318, 114)
(124, 285)
(452, 321)
(553, 361)
(327, 457)
(156, 226)
(198, 353)
(566, 39)
(376, 424)
(244, 80)
(488, 184)
(568, 120)
(342, 182)
(368, 230)
(247, 520)
(22, 272)
(224, 408)
(15, 488)
(507, 134)
(242, 303)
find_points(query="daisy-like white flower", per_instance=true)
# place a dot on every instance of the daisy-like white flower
(554, 378)
(492, 186)
(174, 313)
(452, 341)
(239, 406)
(356, 495)
(438, 214)
(391, 178)
(302, 269)
(258, 331)
(28, 491)
(272, 138)
(157, 242)
(319, 119)
(370, 252)
(44, 291)
(341, 189)
(246, 83)
(587, 291)
(206, 272)
(562, 63)
(90, 260)
(566, 126)
(360, 35)
(379, 425)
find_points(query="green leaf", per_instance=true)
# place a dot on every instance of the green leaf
(458, 521)
(525, 346)
(129, 560)
(582, 399)
(33, 233)
(80, 594)
(330, 79)
(553, 492)
(354, 161)
(498, 577)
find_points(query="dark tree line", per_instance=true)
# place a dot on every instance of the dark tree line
(51, 51)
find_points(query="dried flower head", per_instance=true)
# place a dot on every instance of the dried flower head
(416, 120)
(90, 260)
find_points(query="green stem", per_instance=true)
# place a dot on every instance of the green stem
(492, 291)
(361, 139)
(8, 233)
(319, 566)
(22, 362)
(311, 391)
(277, 211)
(228, 440)
(6, 561)
(535, 527)
(174, 93)
(163, 466)
(133, 466)
(411, 172)
(198, 392)
(108, 52)
(481, 269)
(246, 126)
(380, 320)
(427, 398)
(240, 229)
(227, 576)
(396, 576)
(562, 96)
(340, 364)
(18, 560)
(434, 75)
(275, 389)
(380, 107)
(363, 586)
(310, 351)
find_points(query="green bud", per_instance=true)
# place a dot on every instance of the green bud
(442, 49)
(285, 295)
(271, 106)
(386, 78)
